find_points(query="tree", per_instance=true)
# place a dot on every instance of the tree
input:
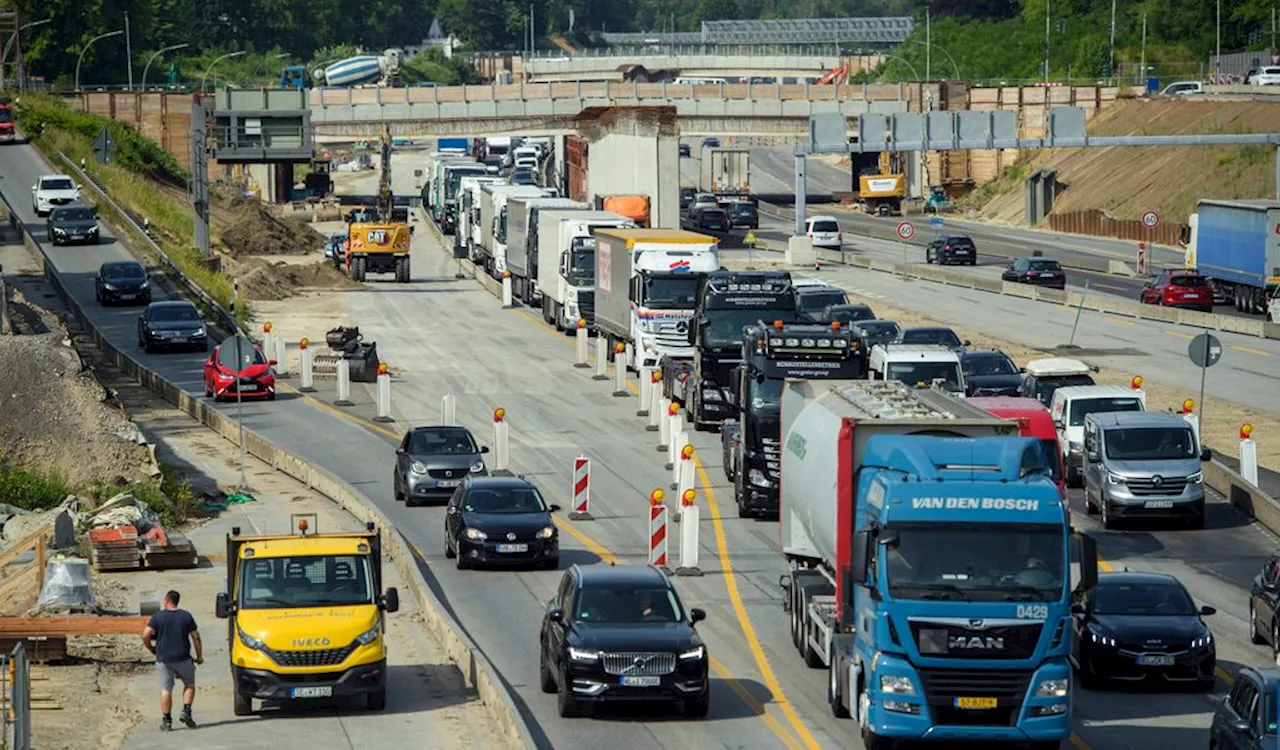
(1093, 57)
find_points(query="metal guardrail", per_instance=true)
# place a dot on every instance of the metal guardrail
(15, 700)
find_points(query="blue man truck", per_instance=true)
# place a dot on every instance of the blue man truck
(930, 565)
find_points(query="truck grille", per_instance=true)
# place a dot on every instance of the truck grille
(673, 333)
(639, 663)
(772, 450)
(942, 688)
(948, 640)
(1158, 486)
(325, 657)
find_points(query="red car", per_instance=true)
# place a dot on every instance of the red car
(241, 371)
(1179, 289)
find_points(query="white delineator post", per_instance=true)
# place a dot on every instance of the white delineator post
(658, 530)
(581, 489)
(269, 342)
(620, 370)
(306, 382)
(677, 431)
(583, 353)
(344, 383)
(1248, 455)
(281, 356)
(602, 359)
(678, 442)
(384, 394)
(501, 443)
(508, 300)
(1191, 418)
(646, 385)
(664, 425)
(688, 535)
(656, 403)
(448, 409)
(684, 475)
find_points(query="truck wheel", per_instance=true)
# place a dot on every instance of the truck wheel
(738, 494)
(241, 705)
(870, 740)
(376, 700)
(834, 697)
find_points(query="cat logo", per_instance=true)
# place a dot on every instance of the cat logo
(377, 237)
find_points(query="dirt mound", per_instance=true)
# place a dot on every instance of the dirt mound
(56, 416)
(1126, 181)
(254, 231)
(261, 279)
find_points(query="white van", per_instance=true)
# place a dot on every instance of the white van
(824, 231)
(917, 365)
(1073, 403)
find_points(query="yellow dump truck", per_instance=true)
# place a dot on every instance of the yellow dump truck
(306, 616)
(378, 247)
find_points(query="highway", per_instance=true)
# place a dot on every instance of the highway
(443, 335)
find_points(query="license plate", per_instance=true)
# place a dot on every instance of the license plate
(513, 547)
(962, 252)
(641, 681)
(1158, 504)
(977, 703)
(127, 296)
(77, 236)
(179, 339)
(319, 691)
(448, 482)
(1155, 660)
(247, 387)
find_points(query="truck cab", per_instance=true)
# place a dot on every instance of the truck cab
(466, 234)
(918, 365)
(306, 616)
(452, 179)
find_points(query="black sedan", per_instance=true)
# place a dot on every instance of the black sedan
(848, 314)
(172, 324)
(73, 225)
(1264, 607)
(431, 463)
(936, 335)
(501, 520)
(715, 220)
(619, 633)
(1246, 719)
(990, 373)
(1036, 271)
(121, 281)
(685, 149)
(1141, 626)
(879, 331)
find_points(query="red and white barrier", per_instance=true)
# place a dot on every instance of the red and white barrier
(688, 535)
(581, 489)
(657, 530)
(501, 444)
(1248, 455)
(583, 354)
(620, 370)
(306, 377)
(657, 404)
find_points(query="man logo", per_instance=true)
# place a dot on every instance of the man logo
(974, 643)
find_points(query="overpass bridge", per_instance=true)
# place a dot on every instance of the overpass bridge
(612, 66)
(551, 107)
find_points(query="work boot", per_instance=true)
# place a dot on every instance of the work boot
(188, 720)
(166, 724)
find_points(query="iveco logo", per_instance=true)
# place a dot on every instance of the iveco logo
(974, 643)
(1157, 480)
(511, 536)
(310, 642)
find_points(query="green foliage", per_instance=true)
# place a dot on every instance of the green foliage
(433, 67)
(31, 490)
(1093, 57)
(169, 497)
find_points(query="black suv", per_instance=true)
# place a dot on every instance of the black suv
(954, 248)
(620, 633)
(687, 195)
(744, 214)
(710, 220)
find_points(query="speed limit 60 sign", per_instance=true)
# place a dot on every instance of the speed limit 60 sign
(906, 230)
(1150, 219)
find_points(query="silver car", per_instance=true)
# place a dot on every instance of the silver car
(431, 463)
(1143, 464)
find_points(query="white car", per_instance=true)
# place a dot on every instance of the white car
(1268, 75)
(1183, 88)
(53, 190)
(824, 231)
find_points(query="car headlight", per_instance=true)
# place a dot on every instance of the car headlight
(369, 636)
(59, 230)
(583, 654)
(546, 532)
(110, 287)
(1203, 641)
(757, 477)
(477, 467)
(417, 467)
(1056, 688)
(201, 331)
(93, 229)
(896, 684)
(1113, 478)
(1074, 447)
(1105, 640)
(694, 653)
(1196, 478)
(476, 535)
(145, 285)
(254, 643)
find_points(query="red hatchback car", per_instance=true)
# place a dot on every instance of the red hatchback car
(241, 371)
(1179, 289)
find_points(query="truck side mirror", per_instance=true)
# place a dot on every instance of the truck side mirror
(860, 558)
(1088, 562)
(222, 606)
(391, 600)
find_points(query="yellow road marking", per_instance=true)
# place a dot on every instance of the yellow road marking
(1180, 334)
(1251, 350)
(1224, 675)
(753, 704)
(600, 550)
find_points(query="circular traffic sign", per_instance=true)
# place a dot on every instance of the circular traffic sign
(906, 231)
(1205, 350)
(1150, 220)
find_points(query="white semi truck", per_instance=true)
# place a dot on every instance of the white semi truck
(563, 253)
(492, 249)
(467, 234)
(522, 229)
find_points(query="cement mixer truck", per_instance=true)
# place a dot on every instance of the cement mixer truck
(930, 565)
(364, 70)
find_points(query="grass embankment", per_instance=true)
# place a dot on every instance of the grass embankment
(170, 497)
(145, 180)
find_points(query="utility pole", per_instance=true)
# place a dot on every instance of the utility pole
(1142, 69)
(1111, 70)
(928, 45)
(1217, 57)
(1046, 41)
(128, 49)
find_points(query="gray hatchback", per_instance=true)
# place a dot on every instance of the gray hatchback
(431, 463)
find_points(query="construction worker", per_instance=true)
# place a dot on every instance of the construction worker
(170, 634)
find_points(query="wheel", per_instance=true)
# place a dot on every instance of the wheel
(546, 679)
(834, 698)
(1088, 678)
(271, 396)
(208, 392)
(973, 261)
(1073, 477)
(738, 495)
(928, 256)
(448, 548)
(376, 700)
(870, 740)
(566, 704)
(461, 560)
(241, 705)
(1254, 636)
(146, 346)
(696, 708)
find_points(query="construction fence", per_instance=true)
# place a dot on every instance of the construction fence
(15, 699)
(1097, 223)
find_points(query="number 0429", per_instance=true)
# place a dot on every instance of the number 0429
(1033, 611)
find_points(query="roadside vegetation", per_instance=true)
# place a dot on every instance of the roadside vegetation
(169, 496)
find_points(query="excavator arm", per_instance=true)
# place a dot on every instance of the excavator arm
(385, 198)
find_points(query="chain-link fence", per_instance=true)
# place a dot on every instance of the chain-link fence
(15, 700)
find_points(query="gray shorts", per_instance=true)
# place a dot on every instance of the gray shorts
(182, 670)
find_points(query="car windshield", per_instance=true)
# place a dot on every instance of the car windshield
(1142, 599)
(825, 226)
(811, 304)
(924, 373)
(503, 500)
(1044, 265)
(447, 441)
(943, 336)
(879, 331)
(1082, 407)
(174, 313)
(1045, 386)
(57, 183)
(246, 356)
(1150, 443)
(124, 272)
(6, 115)
(73, 214)
(1189, 281)
(976, 562)
(988, 364)
(724, 327)
(1052, 457)
(627, 605)
(670, 293)
(847, 315)
(304, 581)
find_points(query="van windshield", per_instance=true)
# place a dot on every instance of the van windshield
(304, 581)
(924, 373)
(1150, 443)
(1083, 407)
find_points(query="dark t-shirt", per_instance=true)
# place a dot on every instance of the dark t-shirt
(173, 628)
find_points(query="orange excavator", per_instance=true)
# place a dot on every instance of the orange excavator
(838, 75)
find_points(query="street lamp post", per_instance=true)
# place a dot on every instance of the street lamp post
(902, 60)
(153, 57)
(4, 55)
(955, 69)
(277, 56)
(79, 60)
(217, 60)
